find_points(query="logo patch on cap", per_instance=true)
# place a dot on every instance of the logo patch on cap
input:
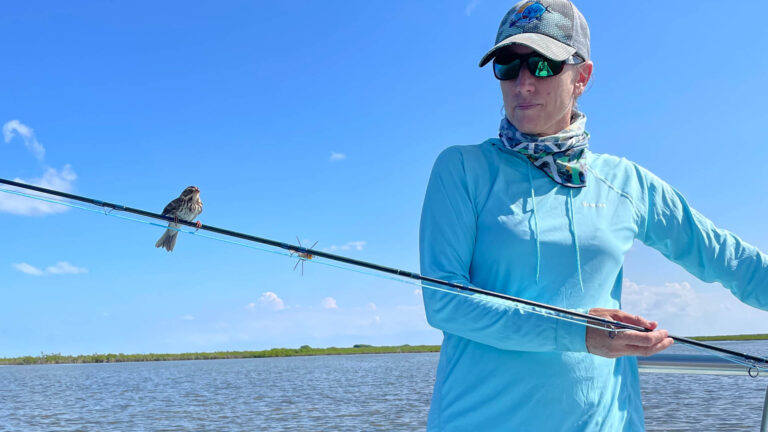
(527, 13)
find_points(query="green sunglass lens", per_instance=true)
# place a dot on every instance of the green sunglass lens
(544, 67)
(540, 67)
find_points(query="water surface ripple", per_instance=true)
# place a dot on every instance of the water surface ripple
(388, 392)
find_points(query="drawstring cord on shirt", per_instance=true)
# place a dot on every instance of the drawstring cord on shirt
(536, 225)
(575, 239)
(572, 228)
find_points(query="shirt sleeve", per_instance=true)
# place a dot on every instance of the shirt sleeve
(689, 239)
(446, 245)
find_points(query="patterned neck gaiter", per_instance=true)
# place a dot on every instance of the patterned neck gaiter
(559, 155)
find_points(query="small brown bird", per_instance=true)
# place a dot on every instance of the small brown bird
(186, 207)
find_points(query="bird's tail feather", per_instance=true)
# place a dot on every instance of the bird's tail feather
(167, 240)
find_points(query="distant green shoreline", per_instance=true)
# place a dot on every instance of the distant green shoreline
(274, 352)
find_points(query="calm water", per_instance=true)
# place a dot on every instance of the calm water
(333, 393)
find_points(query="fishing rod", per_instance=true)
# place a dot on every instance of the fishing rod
(610, 325)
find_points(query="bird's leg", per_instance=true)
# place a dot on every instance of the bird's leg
(199, 225)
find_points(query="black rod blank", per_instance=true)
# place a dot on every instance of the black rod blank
(610, 324)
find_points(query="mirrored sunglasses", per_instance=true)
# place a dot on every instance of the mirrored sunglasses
(507, 65)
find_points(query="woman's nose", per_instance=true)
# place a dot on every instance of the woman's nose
(525, 82)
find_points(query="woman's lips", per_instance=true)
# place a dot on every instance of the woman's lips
(525, 107)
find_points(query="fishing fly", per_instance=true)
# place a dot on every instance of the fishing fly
(303, 256)
(753, 364)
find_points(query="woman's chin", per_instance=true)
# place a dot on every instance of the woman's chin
(526, 125)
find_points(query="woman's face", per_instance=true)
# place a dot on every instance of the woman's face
(542, 106)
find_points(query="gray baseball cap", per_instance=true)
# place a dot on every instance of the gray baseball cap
(554, 28)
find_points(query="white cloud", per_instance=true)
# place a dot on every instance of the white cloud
(188, 317)
(313, 325)
(471, 7)
(28, 269)
(354, 245)
(26, 133)
(670, 299)
(686, 311)
(61, 267)
(371, 306)
(329, 303)
(337, 157)
(269, 300)
(52, 179)
(59, 180)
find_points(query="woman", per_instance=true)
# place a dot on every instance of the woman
(534, 214)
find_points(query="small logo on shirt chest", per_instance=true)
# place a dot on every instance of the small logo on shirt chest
(588, 204)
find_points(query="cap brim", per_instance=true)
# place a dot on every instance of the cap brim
(551, 48)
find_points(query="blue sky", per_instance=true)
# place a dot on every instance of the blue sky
(322, 120)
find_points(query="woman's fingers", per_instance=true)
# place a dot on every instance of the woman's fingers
(634, 320)
(642, 339)
(650, 350)
(602, 345)
(612, 343)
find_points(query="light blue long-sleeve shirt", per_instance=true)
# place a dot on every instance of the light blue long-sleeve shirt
(493, 221)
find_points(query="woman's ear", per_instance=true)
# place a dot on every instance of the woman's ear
(584, 74)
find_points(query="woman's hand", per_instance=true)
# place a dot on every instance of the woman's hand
(626, 342)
